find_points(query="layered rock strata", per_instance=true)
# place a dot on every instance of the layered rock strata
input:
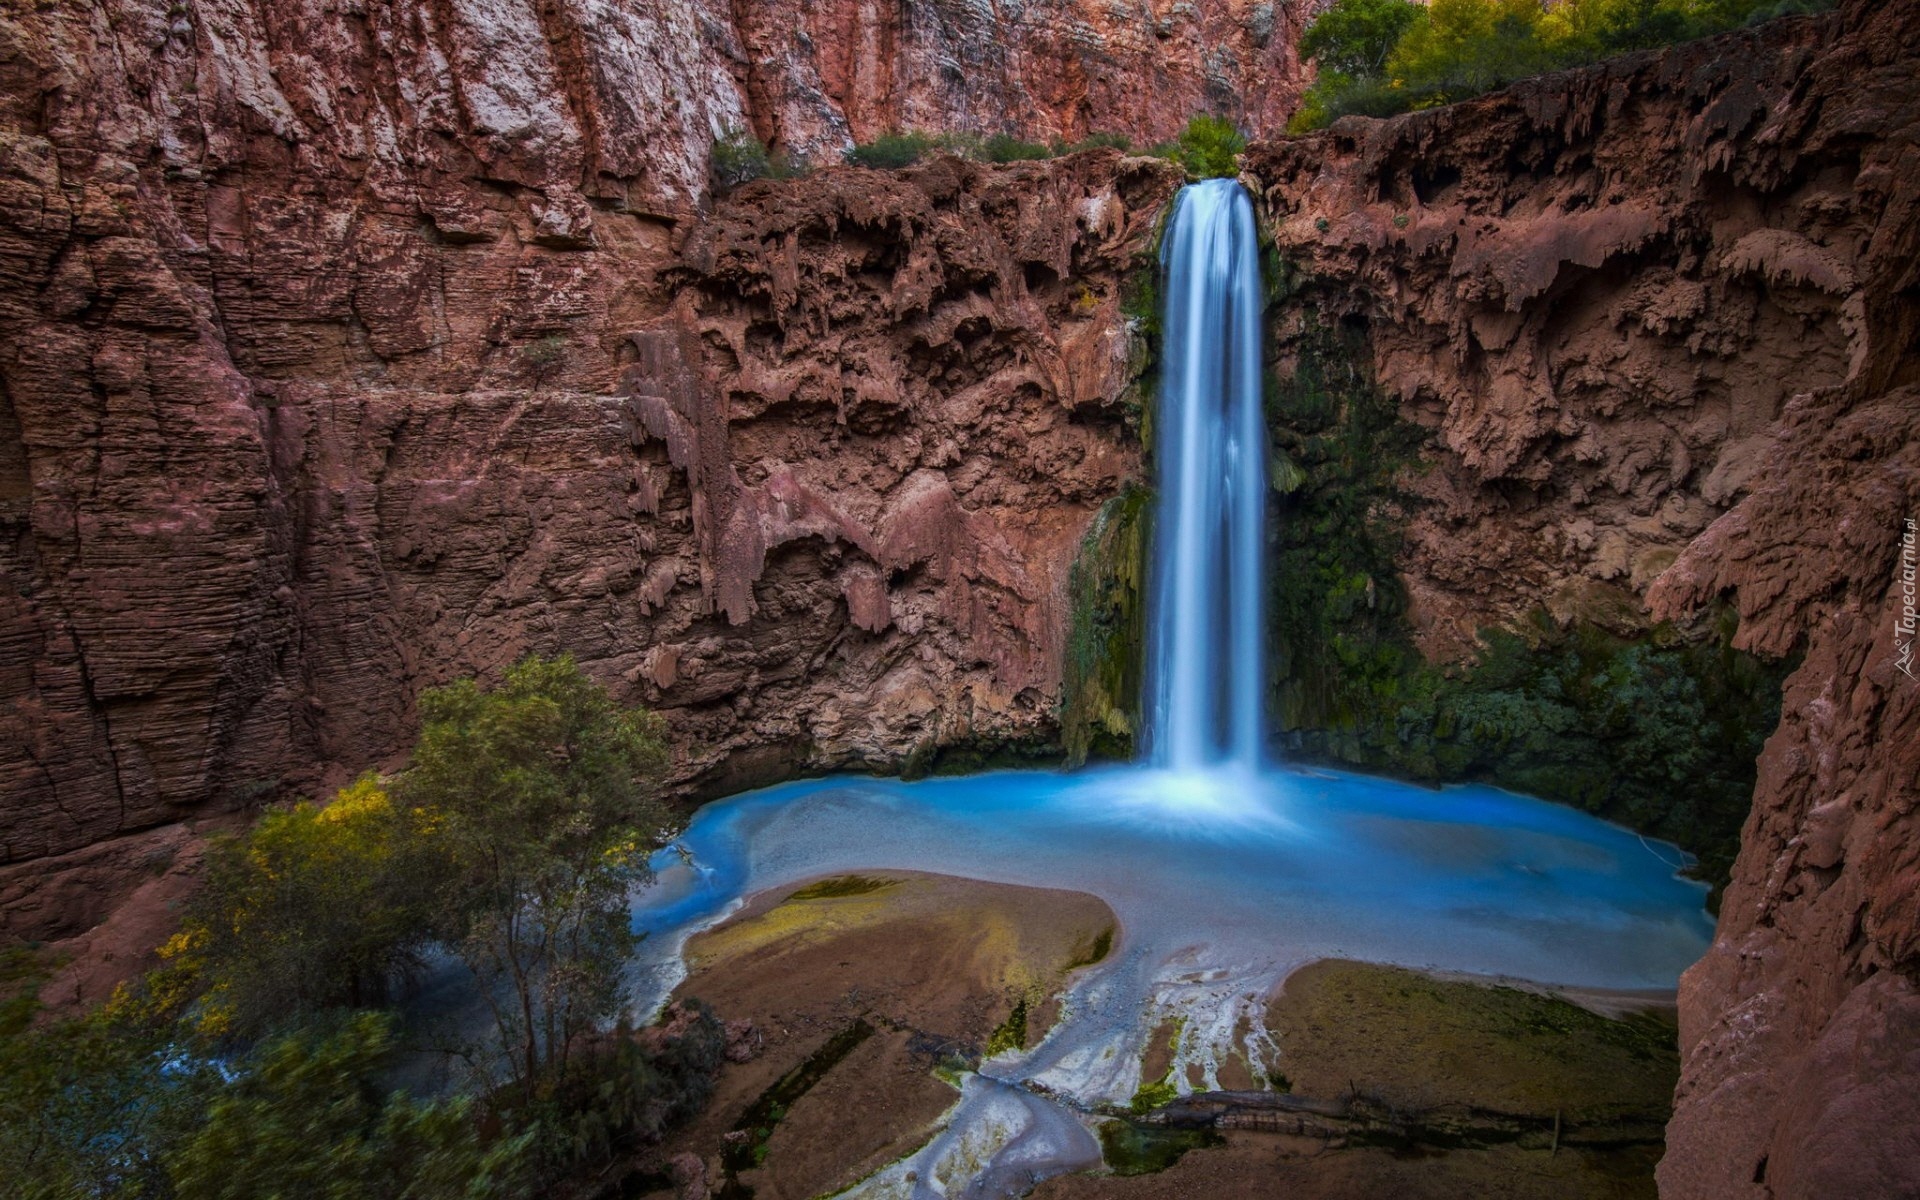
(1659, 318)
(348, 351)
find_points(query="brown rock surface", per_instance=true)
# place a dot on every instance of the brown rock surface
(931, 964)
(1661, 317)
(820, 74)
(347, 350)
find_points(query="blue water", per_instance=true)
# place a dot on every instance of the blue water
(1223, 883)
(1225, 872)
(1285, 864)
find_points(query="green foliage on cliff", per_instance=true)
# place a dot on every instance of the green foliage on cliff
(1005, 148)
(511, 842)
(1379, 57)
(1208, 148)
(892, 151)
(738, 157)
(1106, 589)
(1657, 728)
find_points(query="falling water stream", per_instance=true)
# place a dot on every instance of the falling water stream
(1226, 872)
(1205, 647)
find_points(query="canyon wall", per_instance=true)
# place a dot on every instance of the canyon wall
(1656, 324)
(346, 350)
(820, 75)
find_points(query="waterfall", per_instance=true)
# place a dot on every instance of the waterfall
(1205, 645)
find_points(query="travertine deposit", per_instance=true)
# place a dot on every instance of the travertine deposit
(1660, 318)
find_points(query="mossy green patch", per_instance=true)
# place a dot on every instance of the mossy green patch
(1134, 1149)
(1411, 1043)
(1149, 1096)
(1657, 728)
(1100, 697)
(840, 886)
(1011, 1034)
(1154, 1092)
(1094, 952)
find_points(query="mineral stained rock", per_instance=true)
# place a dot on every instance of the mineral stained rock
(346, 350)
(1660, 316)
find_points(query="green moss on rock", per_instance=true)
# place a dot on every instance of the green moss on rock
(1100, 705)
(1131, 1148)
(1657, 728)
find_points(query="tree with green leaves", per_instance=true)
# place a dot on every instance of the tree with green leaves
(535, 795)
(1354, 37)
(1378, 57)
(1209, 148)
(302, 1120)
(91, 1105)
(311, 909)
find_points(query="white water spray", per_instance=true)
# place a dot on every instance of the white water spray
(1224, 874)
(1205, 646)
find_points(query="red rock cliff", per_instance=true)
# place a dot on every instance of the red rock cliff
(348, 349)
(1661, 317)
(818, 75)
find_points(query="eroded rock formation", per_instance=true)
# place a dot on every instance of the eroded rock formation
(821, 74)
(347, 351)
(1660, 320)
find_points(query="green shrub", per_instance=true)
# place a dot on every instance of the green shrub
(895, 150)
(92, 1106)
(892, 151)
(739, 158)
(622, 1091)
(1100, 141)
(1005, 148)
(514, 839)
(1209, 148)
(1378, 57)
(303, 1118)
(310, 909)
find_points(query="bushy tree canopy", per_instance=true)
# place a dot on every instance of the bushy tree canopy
(1354, 37)
(247, 1065)
(1378, 57)
(534, 795)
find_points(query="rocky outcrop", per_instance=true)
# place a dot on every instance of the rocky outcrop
(349, 349)
(1658, 318)
(819, 75)
(897, 399)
